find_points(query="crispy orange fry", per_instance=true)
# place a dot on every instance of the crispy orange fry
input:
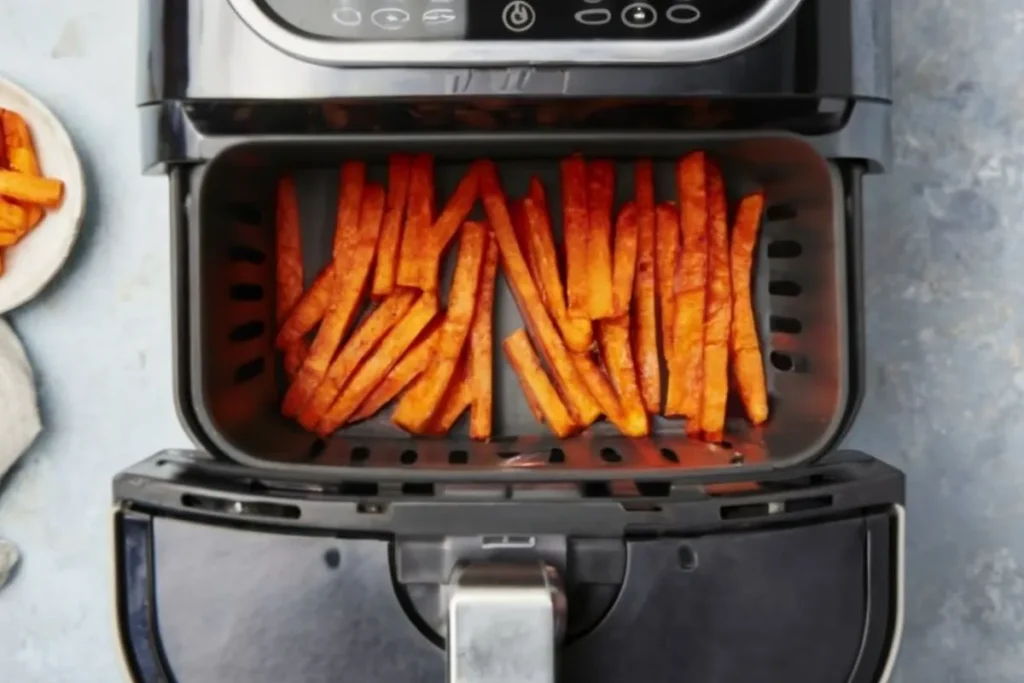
(576, 228)
(748, 365)
(419, 218)
(349, 287)
(667, 262)
(718, 319)
(8, 239)
(418, 405)
(385, 271)
(578, 399)
(481, 347)
(294, 357)
(31, 189)
(3, 260)
(401, 375)
(290, 277)
(577, 332)
(456, 401)
(308, 311)
(613, 338)
(363, 340)
(686, 371)
(373, 371)
(448, 223)
(351, 194)
(517, 213)
(626, 245)
(645, 319)
(603, 391)
(600, 197)
(20, 155)
(3, 143)
(540, 392)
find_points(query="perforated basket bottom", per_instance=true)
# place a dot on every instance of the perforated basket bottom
(235, 382)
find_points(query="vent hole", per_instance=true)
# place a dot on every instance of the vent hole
(610, 455)
(785, 325)
(597, 489)
(654, 489)
(784, 288)
(781, 361)
(418, 489)
(687, 558)
(247, 331)
(780, 212)
(784, 249)
(317, 449)
(408, 457)
(557, 456)
(358, 488)
(246, 292)
(239, 253)
(670, 455)
(250, 371)
(359, 455)
(245, 213)
(458, 457)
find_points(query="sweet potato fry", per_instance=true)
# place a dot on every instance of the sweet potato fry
(419, 404)
(20, 155)
(308, 311)
(481, 350)
(351, 194)
(718, 318)
(448, 223)
(456, 401)
(517, 213)
(290, 278)
(400, 376)
(3, 143)
(383, 318)
(31, 189)
(386, 270)
(600, 198)
(349, 287)
(540, 392)
(578, 399)
(419, 218)
(577, 332)
(745, 347)
(603, 391)
(645, 319)
(613, 338)
(3, 261)
(666, 264)
(373, 371)
(294, 357)
(626, 245)
(576, 227)
(8, 239)
(686, 371)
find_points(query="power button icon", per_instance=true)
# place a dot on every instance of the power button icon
(519, 16)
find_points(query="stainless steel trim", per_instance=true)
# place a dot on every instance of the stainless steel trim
(766, 20)
(900, 514)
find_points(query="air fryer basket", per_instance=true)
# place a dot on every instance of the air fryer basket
(230, 382)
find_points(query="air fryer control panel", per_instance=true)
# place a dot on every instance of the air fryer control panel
(355, 20)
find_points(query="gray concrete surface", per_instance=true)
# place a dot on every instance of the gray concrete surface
(945, 270)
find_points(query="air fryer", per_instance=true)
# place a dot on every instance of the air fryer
(269, 553)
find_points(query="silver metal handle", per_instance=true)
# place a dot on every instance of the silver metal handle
(504, 623)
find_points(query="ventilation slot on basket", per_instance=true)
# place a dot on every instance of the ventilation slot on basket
(458, 457)
(250, 371)
(240, 253)
(670, 455)
(785, 362)
(597, 489)
(784, 249)
(238, 507)
(780, 212)
(408, 457)
(654, 489)
(358, 488)
(246, 292)
(359, 455)
(557, 456)
(775, 507)
(611, 456)
(245, 213)
(317, 449)
(423, 489)
(785, 325)
(784, 288)
(248, 331)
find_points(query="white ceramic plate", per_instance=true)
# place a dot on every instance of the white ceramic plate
(35, 260)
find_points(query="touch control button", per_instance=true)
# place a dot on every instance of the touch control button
(519, 16)
(390, 18)
(639, 15)
(347, 16)
(594, 17)
(683, 14)
(438, 16)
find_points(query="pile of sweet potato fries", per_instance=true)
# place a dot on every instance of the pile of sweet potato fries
(651, 275)
(24, 194)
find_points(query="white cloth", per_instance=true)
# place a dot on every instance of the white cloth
(19, 411)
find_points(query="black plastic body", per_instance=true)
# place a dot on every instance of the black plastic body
(226, 347)
(225, 573)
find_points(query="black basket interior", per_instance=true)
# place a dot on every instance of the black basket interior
(233, 384)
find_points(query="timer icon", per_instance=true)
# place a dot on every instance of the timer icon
(518, 16)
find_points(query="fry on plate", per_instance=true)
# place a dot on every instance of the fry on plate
(386, 270)
(540, 393)
(20, 155)
(31, 189)
(748, 364)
